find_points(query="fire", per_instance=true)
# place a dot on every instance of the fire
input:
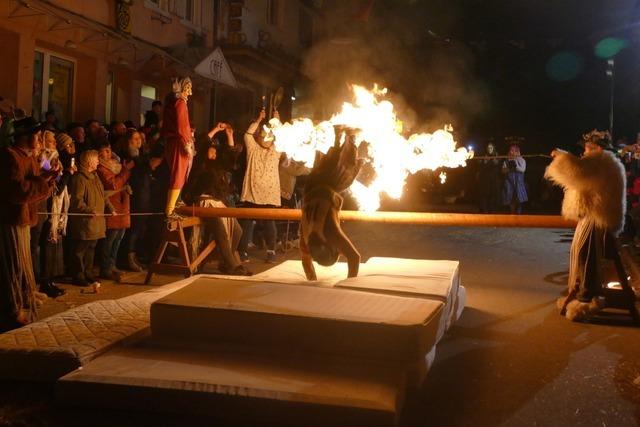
(392, 156)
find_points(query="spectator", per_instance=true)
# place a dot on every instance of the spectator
(514, 192)
(489, 180)
(289, 171)
(51, 241)
(51, 122)
(77, 134)
(118, 136)
(47, 158)
(140, 181)
(87, 196)
(114, 176)
(93, 135)
(261, 187)
(152, 117)
(21, 187)
(210, 187)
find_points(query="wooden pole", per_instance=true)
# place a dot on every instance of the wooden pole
(415, 218)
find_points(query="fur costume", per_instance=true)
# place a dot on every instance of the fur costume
(594, 196)
(594, 188)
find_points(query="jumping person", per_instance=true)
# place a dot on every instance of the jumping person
(322, 238)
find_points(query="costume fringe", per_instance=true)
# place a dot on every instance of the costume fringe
(16, 273)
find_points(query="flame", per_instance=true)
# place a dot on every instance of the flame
(392, 156)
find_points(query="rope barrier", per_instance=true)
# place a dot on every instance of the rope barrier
(104, 214)
(507, 157)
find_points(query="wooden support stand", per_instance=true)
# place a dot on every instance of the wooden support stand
(174, 234)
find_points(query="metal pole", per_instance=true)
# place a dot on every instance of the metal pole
(414, 218)
(611, 73)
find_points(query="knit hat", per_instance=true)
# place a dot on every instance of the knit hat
(62, 141)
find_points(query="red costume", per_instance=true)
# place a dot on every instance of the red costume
(176, 131)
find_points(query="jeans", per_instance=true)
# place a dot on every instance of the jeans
(110, 248)
(137, 231)
(269, 230)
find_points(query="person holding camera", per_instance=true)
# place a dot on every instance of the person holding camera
(514, 191)
(114, 175)
(261, 187)
(22, 187)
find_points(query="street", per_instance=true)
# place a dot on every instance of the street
(511, 360)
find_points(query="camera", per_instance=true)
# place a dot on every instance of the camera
(511, 164)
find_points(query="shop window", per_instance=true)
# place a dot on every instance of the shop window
(53, 83)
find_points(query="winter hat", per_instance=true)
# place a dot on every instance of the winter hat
(26, 126)
(62, 141)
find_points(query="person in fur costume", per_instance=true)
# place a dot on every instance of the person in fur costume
(594, 186)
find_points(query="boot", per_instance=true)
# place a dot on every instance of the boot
(133, 262)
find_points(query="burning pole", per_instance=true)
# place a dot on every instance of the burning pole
(413, 218)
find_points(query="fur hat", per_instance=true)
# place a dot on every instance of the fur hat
(601, 138)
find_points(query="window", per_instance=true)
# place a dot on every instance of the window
(53, 83)
(273, 12)
(108, 112)
(148, 94)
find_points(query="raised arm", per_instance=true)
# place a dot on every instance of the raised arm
(566, 169)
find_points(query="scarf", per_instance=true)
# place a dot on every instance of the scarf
(113, 164)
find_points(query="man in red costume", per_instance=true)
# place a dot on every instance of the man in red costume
(178, 135)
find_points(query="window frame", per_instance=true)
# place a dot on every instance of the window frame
(46, 67)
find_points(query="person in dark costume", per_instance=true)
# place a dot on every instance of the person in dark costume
(322, 239)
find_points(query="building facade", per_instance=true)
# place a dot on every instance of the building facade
(109, 59)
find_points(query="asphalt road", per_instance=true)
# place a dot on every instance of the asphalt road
(512, 360)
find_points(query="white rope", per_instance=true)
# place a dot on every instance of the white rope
(108, 214)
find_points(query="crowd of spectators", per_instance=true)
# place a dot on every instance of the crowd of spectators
(90, 200)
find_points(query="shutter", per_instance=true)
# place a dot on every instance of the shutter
(207, 15)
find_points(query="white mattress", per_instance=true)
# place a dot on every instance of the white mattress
(230, 384)
(304, 319)
(430, 279)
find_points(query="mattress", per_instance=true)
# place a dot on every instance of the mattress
(47, 349)
(233, 385)
(305, 319)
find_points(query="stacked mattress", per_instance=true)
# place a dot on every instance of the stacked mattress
(273, 348)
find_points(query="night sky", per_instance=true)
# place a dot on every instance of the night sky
(498, 68)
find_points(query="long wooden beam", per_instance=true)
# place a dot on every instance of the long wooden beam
(415, 218)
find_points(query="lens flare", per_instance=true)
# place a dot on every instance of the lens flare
(381, 143)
